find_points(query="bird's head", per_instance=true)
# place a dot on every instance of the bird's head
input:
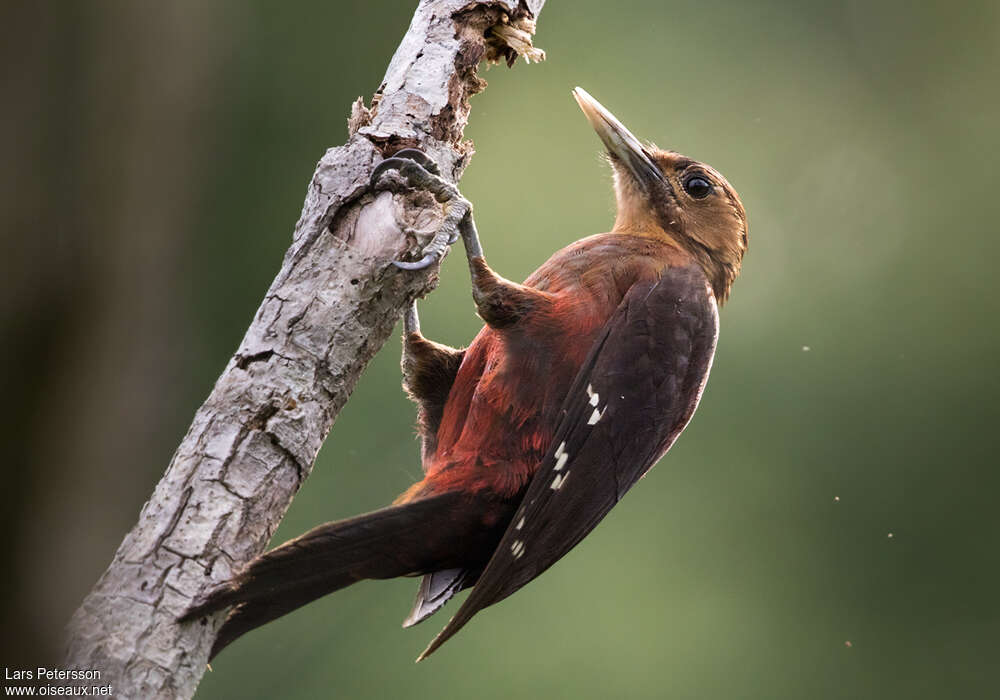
(664, 194)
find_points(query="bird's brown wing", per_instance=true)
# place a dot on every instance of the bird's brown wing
(635, 392)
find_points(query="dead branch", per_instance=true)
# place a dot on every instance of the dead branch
(331, 307)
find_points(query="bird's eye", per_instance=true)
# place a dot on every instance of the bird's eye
(698, 187)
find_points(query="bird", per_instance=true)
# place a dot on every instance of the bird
(581, 378)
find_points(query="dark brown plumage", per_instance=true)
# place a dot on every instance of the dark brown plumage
(582, 377)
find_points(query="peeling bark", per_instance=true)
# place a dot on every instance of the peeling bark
(331, 307)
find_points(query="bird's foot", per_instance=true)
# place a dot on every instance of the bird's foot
(411, 319)
(420, 172)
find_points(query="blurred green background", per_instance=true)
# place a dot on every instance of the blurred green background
(827, 525)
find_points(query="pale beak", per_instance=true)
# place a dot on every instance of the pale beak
(620, 142)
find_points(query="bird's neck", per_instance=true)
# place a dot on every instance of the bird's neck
(719, 274)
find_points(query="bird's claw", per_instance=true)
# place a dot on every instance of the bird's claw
(426, 261)
(418, 156)
(419, 171)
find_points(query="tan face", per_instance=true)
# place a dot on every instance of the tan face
(703, 206)
(664, 194)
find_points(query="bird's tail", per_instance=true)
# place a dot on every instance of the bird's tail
(410, 538)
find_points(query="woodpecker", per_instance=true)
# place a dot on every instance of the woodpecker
(582, 377)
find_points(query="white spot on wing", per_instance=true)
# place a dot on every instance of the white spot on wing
(517, 549)
(595, 416)
(594, 396)
(520, 523)
(561, 456)
(558, 481)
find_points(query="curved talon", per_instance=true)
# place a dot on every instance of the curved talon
(399, 159)
(424, 262)
(419, 157)
(387, 164)
(419, 171)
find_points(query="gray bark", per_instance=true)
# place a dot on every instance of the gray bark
(332, 305)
